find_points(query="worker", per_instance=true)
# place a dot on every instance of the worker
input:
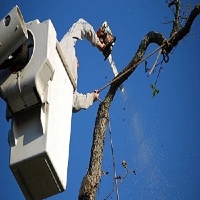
(80, 30)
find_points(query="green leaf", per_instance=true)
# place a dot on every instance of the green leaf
(155, 90)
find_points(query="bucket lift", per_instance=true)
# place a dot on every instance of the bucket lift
(37, 86)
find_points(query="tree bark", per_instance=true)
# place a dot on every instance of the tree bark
(90, 182)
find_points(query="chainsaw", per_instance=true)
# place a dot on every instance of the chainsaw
(105, 35)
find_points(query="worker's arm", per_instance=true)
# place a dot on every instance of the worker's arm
(80, 30)
(83, 101)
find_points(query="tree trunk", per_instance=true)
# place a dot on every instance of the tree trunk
(90, 182)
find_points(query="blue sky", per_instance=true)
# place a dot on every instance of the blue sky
(158, 137)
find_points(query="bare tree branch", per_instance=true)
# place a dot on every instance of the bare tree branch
(176, 23)
(91, 180)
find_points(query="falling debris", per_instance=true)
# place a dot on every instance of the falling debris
(105, 173)
(124, 164)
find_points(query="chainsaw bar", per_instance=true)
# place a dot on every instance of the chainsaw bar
(114, 69)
